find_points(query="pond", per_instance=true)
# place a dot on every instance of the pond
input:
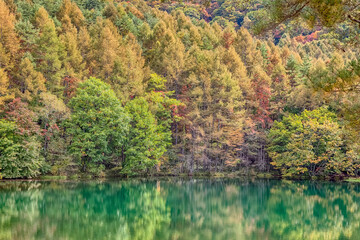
(179, 209)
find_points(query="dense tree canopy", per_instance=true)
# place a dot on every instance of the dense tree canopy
(146, 141)
(98, 124)
(312, 143)
(19, 156)
(145, 87)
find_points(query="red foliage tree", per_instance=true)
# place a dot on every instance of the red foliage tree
(25, 119)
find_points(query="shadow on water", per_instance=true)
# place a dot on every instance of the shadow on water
(179, 209)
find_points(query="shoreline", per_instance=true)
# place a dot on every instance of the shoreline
(218, 175)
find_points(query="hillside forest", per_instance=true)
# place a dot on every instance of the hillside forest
(134, 88)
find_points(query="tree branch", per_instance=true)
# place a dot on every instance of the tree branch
(353, 19)
(293, 14)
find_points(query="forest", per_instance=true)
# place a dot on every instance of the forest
(105, 88)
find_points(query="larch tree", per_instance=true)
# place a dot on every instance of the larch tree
(246, 48)
(279, 91)
(74, 65)
(128, 80)
(107, 50)
(235, 134)
(166, 56)
(71, 10)
(197, 97)
(50, 52)
(238, 70)
(260, 114)
(227, 110)
(31, 82)
(5, 93)
(85, 48)
(10, 43)
(279, 81)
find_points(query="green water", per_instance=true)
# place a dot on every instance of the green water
(180, 209)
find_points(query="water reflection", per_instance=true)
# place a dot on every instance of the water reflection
(179, 209)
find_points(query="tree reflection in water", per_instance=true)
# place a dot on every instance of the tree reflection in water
(179, 209)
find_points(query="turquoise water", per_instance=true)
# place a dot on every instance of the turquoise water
(179, 209)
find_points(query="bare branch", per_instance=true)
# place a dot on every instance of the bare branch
(286, 17)
(353, 19)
